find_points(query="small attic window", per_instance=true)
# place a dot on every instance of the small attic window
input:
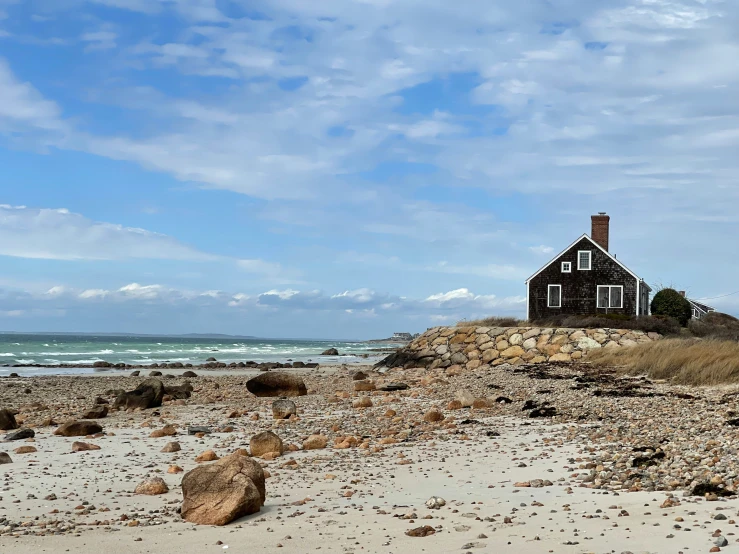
(584, 260)
(566, 267)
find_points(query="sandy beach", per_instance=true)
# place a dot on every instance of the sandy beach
(565, 483)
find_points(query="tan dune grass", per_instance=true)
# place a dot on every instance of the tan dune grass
(494, 321)
(682, 361)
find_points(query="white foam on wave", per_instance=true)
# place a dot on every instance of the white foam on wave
(93, 353)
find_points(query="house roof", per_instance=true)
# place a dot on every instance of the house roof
(599, 247)
(705, 308)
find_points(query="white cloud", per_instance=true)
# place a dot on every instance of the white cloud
(541, 249)
(56, 291)
(59, 234)
(134, 290)
(100, 40)
(363, 300)
(22, 106)
(461, 298)
(93, 293)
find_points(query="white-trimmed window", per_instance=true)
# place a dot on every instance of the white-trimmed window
(610, 296)
(584, 260)
(554, 296)
(566, 267)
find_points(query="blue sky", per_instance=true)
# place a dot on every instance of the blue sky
(347, 169)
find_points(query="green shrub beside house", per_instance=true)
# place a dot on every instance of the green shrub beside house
(670, 303)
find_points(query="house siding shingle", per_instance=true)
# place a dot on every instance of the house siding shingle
(579, 288)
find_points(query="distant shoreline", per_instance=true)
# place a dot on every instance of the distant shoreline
(208, 336)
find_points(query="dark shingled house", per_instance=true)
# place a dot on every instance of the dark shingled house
(586, 279)
(700, 310)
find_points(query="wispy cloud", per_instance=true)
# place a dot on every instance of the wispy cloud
(58, 234)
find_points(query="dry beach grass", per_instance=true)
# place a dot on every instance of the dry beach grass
(681, 361)
(493, 321)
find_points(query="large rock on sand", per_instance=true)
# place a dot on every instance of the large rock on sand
(221, 492)
(152, 486)
(265, 442)
(20, 434)
(78, 429)
(179, 392)
(7, 420)
(315, 442)
(283, 409)
(98, 412)
(148, 394)
(276, 383)
(5, 458)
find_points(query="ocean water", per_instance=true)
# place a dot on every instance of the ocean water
(87, 349)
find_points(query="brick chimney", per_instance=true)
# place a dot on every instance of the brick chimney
(682, 293)
(600, 227)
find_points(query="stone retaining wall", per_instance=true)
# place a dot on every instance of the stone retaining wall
(472, 347)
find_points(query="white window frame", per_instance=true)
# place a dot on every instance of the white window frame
(549, 296)
(609, 307)
(569, 267)
(590, 260)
